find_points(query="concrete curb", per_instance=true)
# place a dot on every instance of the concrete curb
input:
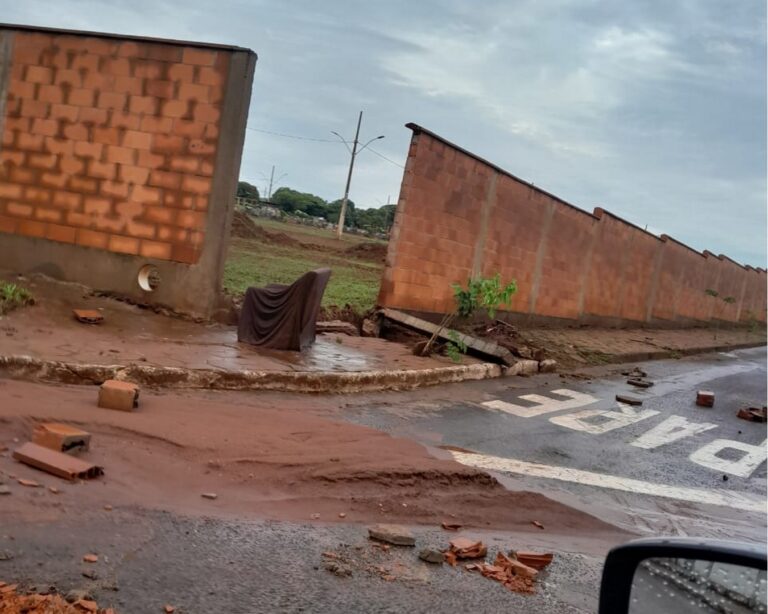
(677, 353)
(29, 368)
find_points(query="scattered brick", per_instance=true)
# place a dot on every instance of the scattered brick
(114, 394)
(705, 398)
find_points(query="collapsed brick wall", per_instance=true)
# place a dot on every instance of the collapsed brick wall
(459, 216)
(110, 144)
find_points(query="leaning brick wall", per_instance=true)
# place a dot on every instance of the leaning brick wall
(460, 216)
(111, 143)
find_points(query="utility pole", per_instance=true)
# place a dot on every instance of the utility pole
(353, 152)
(271, 179)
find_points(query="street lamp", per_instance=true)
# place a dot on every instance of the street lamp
(354, 151)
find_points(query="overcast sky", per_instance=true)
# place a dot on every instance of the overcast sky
(654, 110)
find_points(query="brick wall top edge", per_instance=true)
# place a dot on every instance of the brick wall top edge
(419, 130)
(124, 37)
(683, 245)
(600, 212)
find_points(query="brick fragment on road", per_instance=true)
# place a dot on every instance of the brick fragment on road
(30, 483)
(639, 383)
(752, 414)
(56, 463)
(536, 560)
(91, 558)
(209, 495)
(169, 609)
(114, 394)
(705, 398)
(87, 605)
(61, 437)
(4, 490)
(88, 316)
(623, 398)
(548, 366)
(537, 524)
(465, 548)
(392, 534)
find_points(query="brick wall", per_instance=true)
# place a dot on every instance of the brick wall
(460, 216)
(111, 143)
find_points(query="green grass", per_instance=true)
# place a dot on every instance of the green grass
(311, 234)
(13, 296)
(253, 263)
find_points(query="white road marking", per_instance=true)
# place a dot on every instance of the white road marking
(544, 405)
(578, 421)
(672, 429)
(706, 456)
(725, 498)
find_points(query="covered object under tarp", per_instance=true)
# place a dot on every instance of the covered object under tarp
(283, 317)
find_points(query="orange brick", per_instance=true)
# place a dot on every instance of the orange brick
(54, 180)
(159, 88)
(107, 136)
(129, 85)
(163, 179)
(193, 91)
(145, 195)
(153, 249)
(81, 97)
(121, 155)
(191, 219)
(123, 245)
(39, 74)
(112, 100)
(129, 49)
(18, 209)
(22, 175)
(114, 188)
(137, 140)
(196, 185)
(161, 215)
(183, 127)
(138, 229)
(99, 82)
(37, 194)
(119, 67)
(164, 53)
(11, 158)
(211, 131)
(121, 119)
(71, 165)
(199, 57)
(64, 111)
(175, 108)
(206, 168)
(206, 113)
(199, 146)
(22, 124)
(143, 104)
(33, 108)
(102, 170)
(69, 77)
(94, 205)
(8, 224)
(169, 144)
(186, 164)
(42, 160)
(63, 234)
(46, 127)
(59, 146)
(31, 228)
(83, 184)
(93, 116)
(92, 238)
(50, 93)
(185, 253)
(146, 69)
(133, 174)
(21, 89)
(209, 76)
(181, 72)
(67, 200)
(9, 138)
(87, 62)
(164, 233)
(147, 159)
(76, 132)
(47, 215)
(88, 149)
(10, 190)
(13, 107)
(150, 123)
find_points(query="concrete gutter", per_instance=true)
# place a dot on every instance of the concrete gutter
(29, 368)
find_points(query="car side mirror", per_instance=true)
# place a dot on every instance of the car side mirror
(680, 575)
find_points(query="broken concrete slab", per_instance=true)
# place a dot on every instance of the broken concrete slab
(639, 383)
(524, 367)
(61, 437)
(432, 555)
(371, 327)
(56, 463)
(392, 534)
(486, 349)
(548, 365)
(88, 316)
(116, 394)
(752, 414)
(705, 398)
(337, 326)
(624, 398)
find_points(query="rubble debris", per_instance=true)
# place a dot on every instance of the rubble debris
(169, 609)
(465, 548)
(91, 558)
(451, 526)
(42, 603)
(61, 437)
(4, 490)
(209, 495)
(315, 516)
(108, 508)
(342, 515)
(337, 326)
(450, 558)
(6, 555)
(88, 316)
(512, 574)
(536, 560)
(337, 569)
(705, 398)
(23, 482)
(371, 327)
(636, 373)
(752, 414)
(392, 534)
(56, 463)
(537, 524)
(114, 394)
(382, 547)
(524, 368)
(548, 365)
(624, 398)
(431, 555)
(54, 490)
(90, 574)
(87, 605)
(639, 382)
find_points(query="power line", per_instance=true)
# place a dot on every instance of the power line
(291, 136)
(383, 157)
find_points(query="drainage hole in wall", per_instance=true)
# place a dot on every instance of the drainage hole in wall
(149, 278)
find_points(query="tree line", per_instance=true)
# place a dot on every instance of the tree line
(301, 204)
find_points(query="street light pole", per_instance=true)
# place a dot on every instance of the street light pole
(343, 210)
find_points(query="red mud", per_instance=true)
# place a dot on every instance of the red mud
(262, 459)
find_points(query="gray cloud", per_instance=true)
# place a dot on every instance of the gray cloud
(653, 110)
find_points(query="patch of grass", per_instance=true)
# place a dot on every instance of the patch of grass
(13, 297)
(312, 234)
(253, 263)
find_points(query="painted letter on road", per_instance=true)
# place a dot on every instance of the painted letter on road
(611, 420)
(706, 456)
(672, 429)
(544, 405)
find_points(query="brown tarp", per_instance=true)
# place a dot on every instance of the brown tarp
(283, 317)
